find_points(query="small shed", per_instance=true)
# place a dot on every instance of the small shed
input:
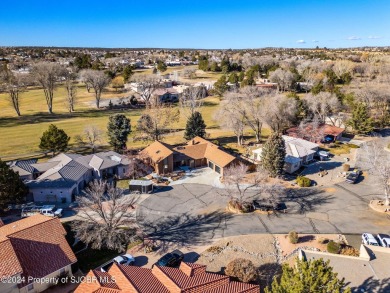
(142, 186)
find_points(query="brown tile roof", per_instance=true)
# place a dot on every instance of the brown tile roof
(195, 152)
(165, 280)
(326, 129)
(9, 262)
(37, 245)
(158, 151)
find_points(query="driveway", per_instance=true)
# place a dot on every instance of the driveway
(194, 214)
(200, 176)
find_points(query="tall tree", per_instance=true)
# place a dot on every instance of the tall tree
(105, 219)
(361, 122)
(195, 126)
(280, 112)
(191, 100)
(146, 86)
(54, 140)
(161, 66)
(273, 154)
(220, 86)
(71, 89)
(118, 129)
(12, 189)
(13, 85)
(98, 80)
(308, 276)
(47, 74)
(324, 105)
(127, 73)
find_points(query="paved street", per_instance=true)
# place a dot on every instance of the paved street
(189, 213)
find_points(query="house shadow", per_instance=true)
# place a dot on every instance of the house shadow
(267, 272)
(306, 238)
(191, 257)
(162, 189)
(320, 166)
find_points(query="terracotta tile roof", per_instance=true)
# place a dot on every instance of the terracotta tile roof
(9, 262)
(37, 245)
(326, 129)
(158, 151)
(105, 279)
(165, 280)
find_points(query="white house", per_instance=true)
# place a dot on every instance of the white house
(298, 152)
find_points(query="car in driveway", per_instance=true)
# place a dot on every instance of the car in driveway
(125, 259)
(384, 240)
(171, 259)
(322, 155)
(369, 239)
(353, 176)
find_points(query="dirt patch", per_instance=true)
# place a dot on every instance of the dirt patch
(306, 241)
(330, 189)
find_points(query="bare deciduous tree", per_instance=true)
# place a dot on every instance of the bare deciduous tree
(324, 105)
(280, 112)
(13, 85)
(98, 80)
(311, 130)
(377, 161)
(284, 78)
(139, 165)
(71, 90)
(156, 122)
(146, 86)
(47, 74)
(189, 73)
(342, 67)
(104, 219)
(191, 100)
(91, 137)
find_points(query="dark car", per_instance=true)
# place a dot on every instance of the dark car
(268, 206)
(171, 259)
(353, 177)
(328, 138)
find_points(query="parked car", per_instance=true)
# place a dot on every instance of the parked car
(171, 259)
(353, 176)
(369, 239)
(328, 139)
(384, 240)
(268, 206)
(126, 259)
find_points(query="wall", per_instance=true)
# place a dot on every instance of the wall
(41, 194)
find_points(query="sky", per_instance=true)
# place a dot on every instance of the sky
(212, 24)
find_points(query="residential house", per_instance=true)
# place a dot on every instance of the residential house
(317, 135)
(299, 152)
(187, 278)
(31, 249)
(198, 152)
(166, 95)
(63, 177)
(367, 273)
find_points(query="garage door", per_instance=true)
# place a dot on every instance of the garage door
(217, 169)
(211, 165)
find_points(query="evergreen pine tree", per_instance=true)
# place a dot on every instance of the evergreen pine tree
(118, 129)
(195, 126)
(308, 276)
(273, 154)
(12, 188)
(361, 121)
(54, 140)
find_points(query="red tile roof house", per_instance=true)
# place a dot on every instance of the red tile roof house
(30, 250)
(198, 152)
(188, 278)
(324, 129)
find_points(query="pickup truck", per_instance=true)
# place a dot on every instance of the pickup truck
(353, 176)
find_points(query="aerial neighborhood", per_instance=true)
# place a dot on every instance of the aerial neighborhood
(126, 168)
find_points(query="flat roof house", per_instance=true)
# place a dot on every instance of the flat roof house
(198, 152)
(32, 249)
(188, 278)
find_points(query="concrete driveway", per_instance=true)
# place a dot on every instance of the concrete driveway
(194, 214)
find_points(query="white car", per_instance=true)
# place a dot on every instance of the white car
(126, 259)
(369, 239)
(384, 240)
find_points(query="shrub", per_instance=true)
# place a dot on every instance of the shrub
(293, 236)
(333, 247)
(242, 269)
(346, 167)
(349, 250)
(252, 168)
(215, 141)
(303, 181)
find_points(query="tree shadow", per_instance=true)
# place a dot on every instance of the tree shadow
(185, 229)
(373, 285)
(304, 199)
(267, 272)
(191, 257)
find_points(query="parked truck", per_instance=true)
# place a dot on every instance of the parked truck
(46, 210)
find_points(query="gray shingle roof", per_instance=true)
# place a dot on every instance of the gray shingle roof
(23, 165)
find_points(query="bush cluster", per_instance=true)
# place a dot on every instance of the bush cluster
(293, 236)
(303, 181)
(333, 247)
